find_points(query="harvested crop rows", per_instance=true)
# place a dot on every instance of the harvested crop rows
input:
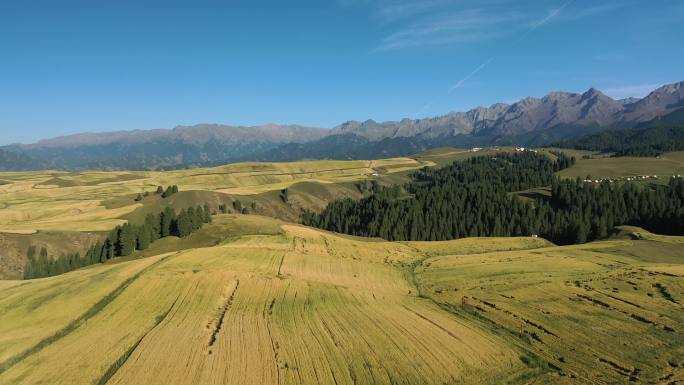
(605, 312)
(303, 306)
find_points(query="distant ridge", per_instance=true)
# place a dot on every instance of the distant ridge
(197, 134)
(554, 117)
(183, 146)
(529, 114)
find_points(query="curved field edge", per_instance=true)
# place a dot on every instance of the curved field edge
(312, 307)
(98, 201)
(73, 325)
(605, 312)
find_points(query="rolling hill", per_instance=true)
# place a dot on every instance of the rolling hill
(38, 206)
(301, 306)
(253, 297)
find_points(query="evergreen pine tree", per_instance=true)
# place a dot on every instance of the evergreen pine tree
(153, 226)
(143, 238)
(167, 218)
(126, 241)
(207, 213)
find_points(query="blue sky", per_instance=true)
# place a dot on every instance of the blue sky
(74, 66)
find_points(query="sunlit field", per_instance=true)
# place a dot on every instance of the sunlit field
(77, 201)
(302, 306)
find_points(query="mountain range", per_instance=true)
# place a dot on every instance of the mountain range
(529, 115)
(530, 121)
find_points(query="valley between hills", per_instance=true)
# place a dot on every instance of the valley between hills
(254, 297)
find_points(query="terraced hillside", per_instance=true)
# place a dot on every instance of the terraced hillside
(294, 305)
(88, 201)
(67, 208)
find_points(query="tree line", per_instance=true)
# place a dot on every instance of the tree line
(563, 161)
(170, 190)
(475, 197)
(645, 142)
(121, 241)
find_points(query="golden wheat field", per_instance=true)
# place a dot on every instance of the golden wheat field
(295, 305)
(60, 201)
(607, 312)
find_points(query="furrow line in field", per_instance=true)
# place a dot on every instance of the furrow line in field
(328, 332)
(268, 314)
(314, 330)
(90, 313)
(481, 321)
(280, 267)
(111, 371)
(442, 328)
(222, 315)
(258, 173)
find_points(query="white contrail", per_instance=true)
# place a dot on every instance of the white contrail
(465, 79)
(534, 27)
(551, 16)
(543, 21)
(482, 66)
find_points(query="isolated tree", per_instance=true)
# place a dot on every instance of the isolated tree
(43, 264)
(31, 252)
(207, 213)
(31, 264)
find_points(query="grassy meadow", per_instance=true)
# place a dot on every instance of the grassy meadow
(664, 166)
